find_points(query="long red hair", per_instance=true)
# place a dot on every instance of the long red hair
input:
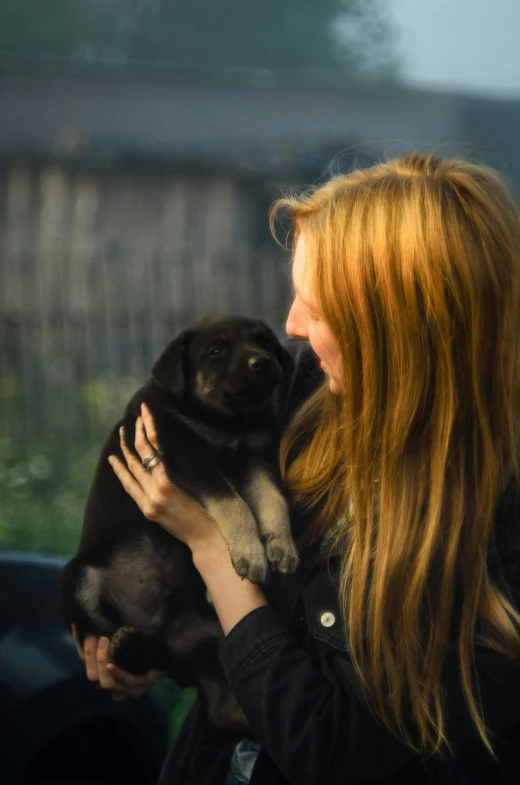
(415, 264)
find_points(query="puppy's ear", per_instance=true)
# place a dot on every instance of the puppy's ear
(169, 370)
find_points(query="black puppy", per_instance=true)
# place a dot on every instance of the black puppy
(212, 394)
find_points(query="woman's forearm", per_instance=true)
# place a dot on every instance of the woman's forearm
(233, 597)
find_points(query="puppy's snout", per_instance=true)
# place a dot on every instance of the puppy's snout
(258, 361)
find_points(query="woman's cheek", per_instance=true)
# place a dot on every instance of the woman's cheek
(316, 343)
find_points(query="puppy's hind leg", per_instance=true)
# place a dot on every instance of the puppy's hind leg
(134, 651)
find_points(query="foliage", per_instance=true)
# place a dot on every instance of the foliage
(350, 35)
(44, 481)
(42, 496)
(174, 701)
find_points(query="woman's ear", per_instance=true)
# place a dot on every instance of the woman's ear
(170, 369)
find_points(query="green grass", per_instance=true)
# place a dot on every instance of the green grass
(43, 490)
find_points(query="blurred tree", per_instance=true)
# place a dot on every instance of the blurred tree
(26, 31)
(353, 36)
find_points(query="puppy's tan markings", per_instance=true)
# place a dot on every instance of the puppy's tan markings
(239, 528)
(88, 595)
(272, 514)
(204, 385)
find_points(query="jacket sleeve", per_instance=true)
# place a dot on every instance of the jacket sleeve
(309, 715)
(305, 711)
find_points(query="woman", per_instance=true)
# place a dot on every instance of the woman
(393, 655)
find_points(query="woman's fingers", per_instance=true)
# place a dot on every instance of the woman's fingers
(128, 481)
(149, 427)
(131, 681)
(131, 686)
(134, 464)
(147, 449)
(157, 498)
(144, 449)
(75, 637)
(106, 680)
(120, 684)
(90, 649)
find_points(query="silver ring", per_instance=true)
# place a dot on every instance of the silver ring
(146, 461)
(152, 462)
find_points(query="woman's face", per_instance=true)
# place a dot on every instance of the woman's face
(305, 321)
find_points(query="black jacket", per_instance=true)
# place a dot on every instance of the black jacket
(289, 667)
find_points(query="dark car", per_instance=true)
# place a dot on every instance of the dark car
(55, 726)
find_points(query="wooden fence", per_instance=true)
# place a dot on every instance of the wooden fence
(97, 276)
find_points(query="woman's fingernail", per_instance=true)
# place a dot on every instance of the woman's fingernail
(121, 431)
(103, 643)
(110, 460)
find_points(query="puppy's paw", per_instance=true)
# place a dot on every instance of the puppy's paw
(282, 554)
(251, 564)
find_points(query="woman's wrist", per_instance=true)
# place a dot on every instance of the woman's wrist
(233, 597)
(207, 547)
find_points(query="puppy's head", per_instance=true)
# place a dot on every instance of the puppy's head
(231, 364)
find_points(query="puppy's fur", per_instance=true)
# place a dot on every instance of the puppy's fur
(212, 394)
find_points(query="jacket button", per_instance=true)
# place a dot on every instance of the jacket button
(327, 619)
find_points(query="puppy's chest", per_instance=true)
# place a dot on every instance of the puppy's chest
(250, 442)
(239, 452)
(227, 445)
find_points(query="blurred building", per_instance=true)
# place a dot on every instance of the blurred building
(129, 207)
(169, 165)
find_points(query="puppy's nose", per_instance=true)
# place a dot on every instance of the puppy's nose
(258, 361)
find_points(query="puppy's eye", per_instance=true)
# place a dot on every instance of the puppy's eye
(216, 350)
(264, 340)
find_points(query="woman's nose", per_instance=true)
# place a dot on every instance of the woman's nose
(295, 325)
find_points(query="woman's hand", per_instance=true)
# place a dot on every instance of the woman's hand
(119, 684)
(160, 501)
(156, 497)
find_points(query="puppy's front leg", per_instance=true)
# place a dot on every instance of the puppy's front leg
(271, 511)
(195, 471)
(238, 525)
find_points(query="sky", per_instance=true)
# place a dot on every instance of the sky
(460, 44)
